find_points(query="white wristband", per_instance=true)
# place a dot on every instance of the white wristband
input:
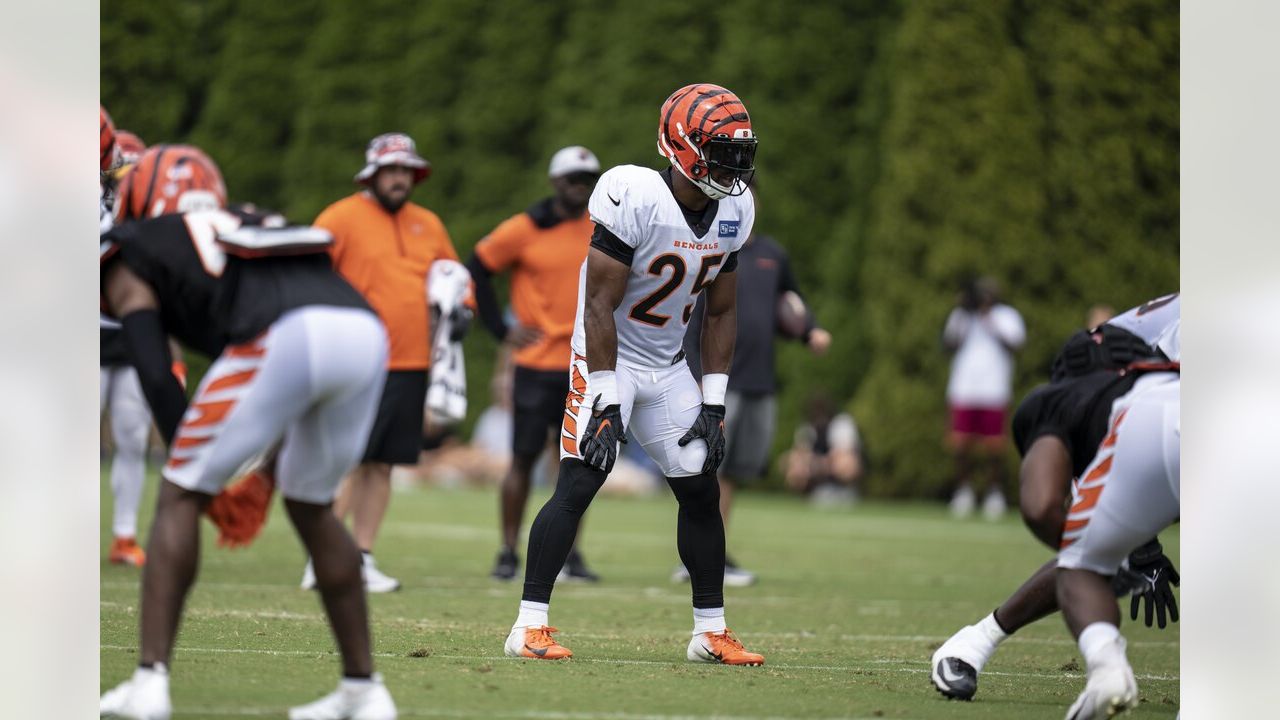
(714, 386)
(602, 386)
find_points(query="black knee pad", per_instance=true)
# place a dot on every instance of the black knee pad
(697, 492)
(577, 485)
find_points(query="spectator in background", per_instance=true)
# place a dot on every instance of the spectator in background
(983, 334)
(826, 460)
(751, 408)
(384, 245)
(544, 247)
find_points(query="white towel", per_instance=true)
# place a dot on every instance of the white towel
(447, 285)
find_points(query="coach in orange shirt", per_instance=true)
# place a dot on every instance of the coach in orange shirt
(384, 246)
(544, 248)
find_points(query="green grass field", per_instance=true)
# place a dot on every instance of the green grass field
(850, 605)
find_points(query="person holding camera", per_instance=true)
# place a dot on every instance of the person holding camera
(983, 334)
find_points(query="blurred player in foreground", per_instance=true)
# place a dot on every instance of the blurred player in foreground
(661, 239)
(1062, 430)
(299, 359)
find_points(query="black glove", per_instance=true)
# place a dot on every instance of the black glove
(600, 442)
(1155, 574)
(459, 323)
(709, 426)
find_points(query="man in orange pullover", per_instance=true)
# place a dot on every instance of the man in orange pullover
(384, 246)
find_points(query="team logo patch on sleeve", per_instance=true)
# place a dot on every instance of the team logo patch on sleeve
(728, 228)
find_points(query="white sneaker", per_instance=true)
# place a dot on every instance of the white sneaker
(308, 576)
(955, 665)
(994, 506)
(1109, 691)
(353, 700)
(374, 580)
(145, 696)
(733, 576)
(737, 577)
(962, 502)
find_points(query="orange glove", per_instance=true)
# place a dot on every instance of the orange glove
(240, 510)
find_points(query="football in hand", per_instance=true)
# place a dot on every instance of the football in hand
(791, 315)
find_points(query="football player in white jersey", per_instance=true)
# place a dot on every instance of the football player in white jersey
(1142, 340)
(660, 239)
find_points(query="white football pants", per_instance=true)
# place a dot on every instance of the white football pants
(1130, 492)
(657, 405)
(313, 378)
(120, 393)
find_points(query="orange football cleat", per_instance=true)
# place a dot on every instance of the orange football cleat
(126, 551)
(721, 647)
(536, 643)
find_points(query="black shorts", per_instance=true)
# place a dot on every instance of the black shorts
(538, 397)
(397, 430)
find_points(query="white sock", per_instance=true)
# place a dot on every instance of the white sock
(356, 685)
(1101, 644)
(708, 620)
(157, 669)
(992, 630)
(532, 614)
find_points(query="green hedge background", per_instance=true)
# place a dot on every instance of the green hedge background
(905, 146)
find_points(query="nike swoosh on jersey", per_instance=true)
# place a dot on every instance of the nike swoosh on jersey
(615, 202)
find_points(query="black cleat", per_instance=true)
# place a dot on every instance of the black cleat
(575, 569)
(955, 678)
(505, 567)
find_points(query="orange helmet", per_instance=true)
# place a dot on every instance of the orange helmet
(130, 147)
(170, 179)
(705, 131)
(106, 139)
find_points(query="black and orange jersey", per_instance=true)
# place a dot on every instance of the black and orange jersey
(544, 254)
(1075, 410)
(111, 349)
(209, 298)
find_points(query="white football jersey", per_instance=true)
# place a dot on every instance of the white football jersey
(1151, 320)
(671, 265)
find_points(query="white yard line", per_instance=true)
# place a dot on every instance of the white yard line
(513, 714)
(803, 635)
(870, 665)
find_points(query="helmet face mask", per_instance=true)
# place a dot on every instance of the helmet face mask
(705, 131)
(730, 163)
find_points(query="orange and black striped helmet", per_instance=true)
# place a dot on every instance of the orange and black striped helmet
(705, 131)
(130, 147)
(106, 140)
(170, 179)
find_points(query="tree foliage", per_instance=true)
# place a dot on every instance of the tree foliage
(904, 147)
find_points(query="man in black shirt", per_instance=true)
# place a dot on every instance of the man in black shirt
(299, 360)
(764, 278)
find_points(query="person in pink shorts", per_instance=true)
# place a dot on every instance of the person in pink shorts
(983, 334)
